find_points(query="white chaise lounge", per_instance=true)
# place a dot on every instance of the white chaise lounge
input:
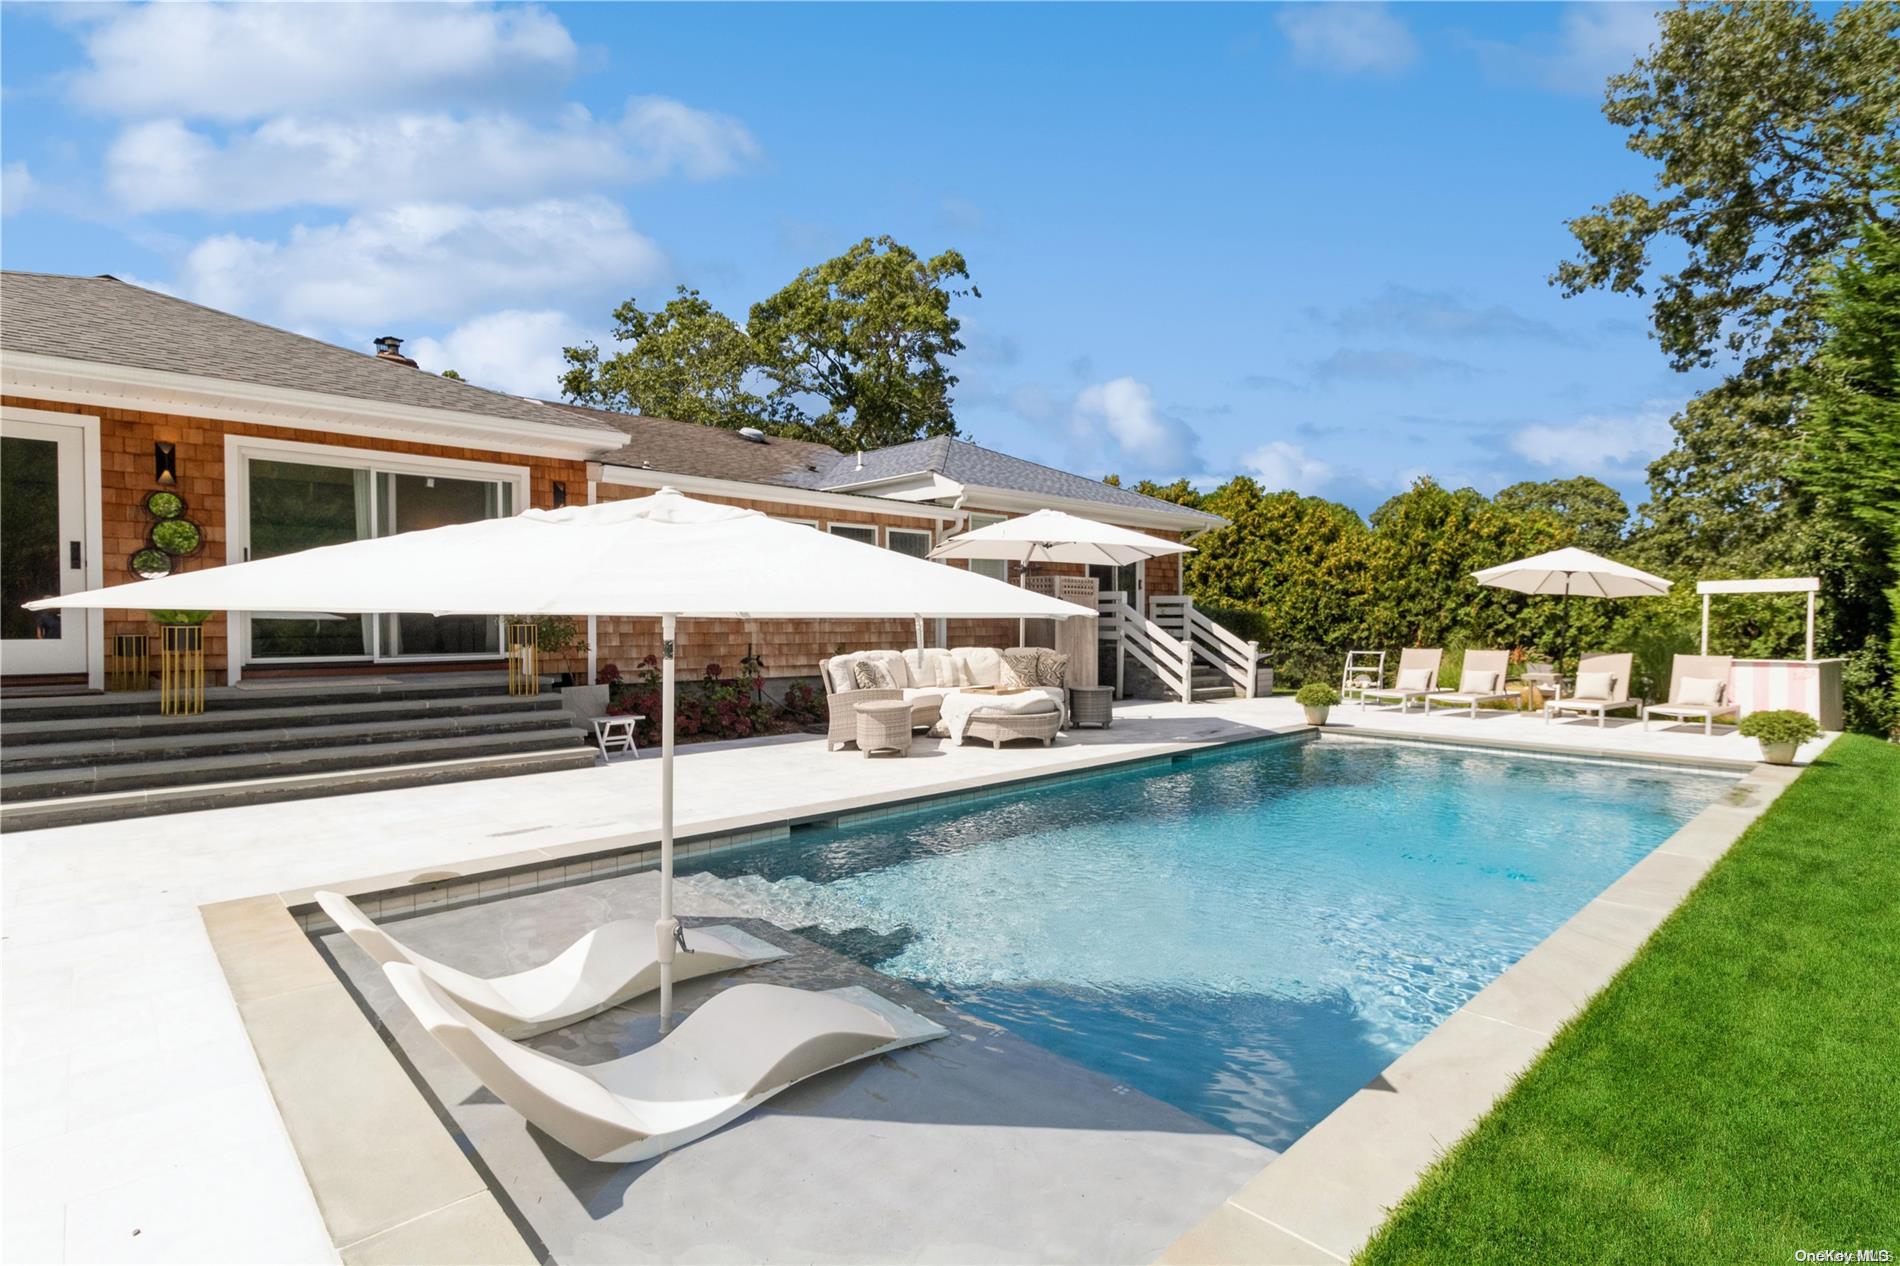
(610, 965)
(1417, 679)
(1603, 686)
(739, 1049)
(1698, 689)
(1482, 681)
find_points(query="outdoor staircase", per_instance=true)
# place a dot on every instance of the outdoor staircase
(93, 758)
(1178, 653)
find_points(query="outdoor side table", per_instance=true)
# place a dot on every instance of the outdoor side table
(615, 734)
(1091, 705)
(884, 727)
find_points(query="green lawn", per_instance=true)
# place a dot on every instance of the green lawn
(1734, 1095)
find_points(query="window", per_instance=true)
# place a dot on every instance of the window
(994, 568)
(810, 523)
(908, 541)
(855, 532)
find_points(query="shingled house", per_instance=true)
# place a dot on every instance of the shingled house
(276, 442)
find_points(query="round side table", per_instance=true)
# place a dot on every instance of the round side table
(884, 727)
(1091, 705)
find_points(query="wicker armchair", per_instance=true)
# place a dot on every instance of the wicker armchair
(843, 727)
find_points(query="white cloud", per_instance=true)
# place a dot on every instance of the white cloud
(251, 61)
(1283, 465)
(514, 351)
(1349, 37)
(16, 187)
(423, 261)
(1592, 42)
(1118, 421)
(163, 164)
(1598, 444)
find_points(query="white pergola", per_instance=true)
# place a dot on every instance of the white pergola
(1810, 585)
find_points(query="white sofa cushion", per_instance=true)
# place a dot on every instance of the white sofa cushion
(978, 665)
(894, 666)
(838, 674)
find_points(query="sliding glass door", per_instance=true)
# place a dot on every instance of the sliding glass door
(296, 505)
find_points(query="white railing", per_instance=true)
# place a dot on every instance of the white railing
(1237, 660)
(1135, 636)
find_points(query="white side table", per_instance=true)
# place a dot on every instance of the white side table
(615, 734)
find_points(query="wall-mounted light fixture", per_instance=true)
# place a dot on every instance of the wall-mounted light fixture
(165, 462)
(560, 493)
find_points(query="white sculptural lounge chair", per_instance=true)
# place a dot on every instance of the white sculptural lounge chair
(1417, 679)
(1698, 690)
(740, 1048)
(610, 965)
(1593, 696)
(1482, 681)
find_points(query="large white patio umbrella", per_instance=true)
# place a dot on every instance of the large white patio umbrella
(666, 555)
(1572, 570)
(1051, 536)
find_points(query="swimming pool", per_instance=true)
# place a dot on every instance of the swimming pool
(1251, 934)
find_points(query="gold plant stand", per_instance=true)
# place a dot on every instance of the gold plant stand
(181, 670)
(524, 659)
(131, 662)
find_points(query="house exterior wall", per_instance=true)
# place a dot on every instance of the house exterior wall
(126, 476)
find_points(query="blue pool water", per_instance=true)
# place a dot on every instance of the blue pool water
(1250, 935)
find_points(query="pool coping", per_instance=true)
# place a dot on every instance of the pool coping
(417, 1195)
(1322, 1199)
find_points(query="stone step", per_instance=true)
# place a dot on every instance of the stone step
(141, 775)
(291, 713)
(115, 806)
(297, 733)
(254, 695)
(1204, 693)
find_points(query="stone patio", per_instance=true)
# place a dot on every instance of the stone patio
(137, 1125)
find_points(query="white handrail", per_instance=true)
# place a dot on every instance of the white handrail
(1160, 652)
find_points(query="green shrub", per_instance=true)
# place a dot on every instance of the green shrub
(1780, 725)
(1316, 694)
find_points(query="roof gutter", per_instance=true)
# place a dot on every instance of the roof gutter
(160, 391)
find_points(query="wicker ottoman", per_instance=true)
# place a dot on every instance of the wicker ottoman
(998, 728)
(884, 727)
(1092, 705)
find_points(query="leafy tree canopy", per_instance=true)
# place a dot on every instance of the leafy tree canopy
(1595, 513)
(853, 352)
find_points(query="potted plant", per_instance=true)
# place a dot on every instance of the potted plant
(1780, 731)
(1317, 698)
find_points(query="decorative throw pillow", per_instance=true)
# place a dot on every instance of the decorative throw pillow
(1415, 679)
(1595, 686)
(1019, 667)
(838, 674)
(1051, 668)
(1477, 683)
(870, 676)
(1703, 690)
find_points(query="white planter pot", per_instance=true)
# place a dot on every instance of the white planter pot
(1778, 753)
(1316, 716)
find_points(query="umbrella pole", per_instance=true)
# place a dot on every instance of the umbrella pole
(667, 929)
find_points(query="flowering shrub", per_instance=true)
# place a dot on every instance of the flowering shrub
(714, 707)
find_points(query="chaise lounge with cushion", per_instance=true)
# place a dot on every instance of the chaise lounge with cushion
(1481, 681)
(928, 678)
(1603, 686)
(1698, 688)
(1417, 679)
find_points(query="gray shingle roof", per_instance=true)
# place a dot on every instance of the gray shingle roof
(111, 322)
(969, 463)
(686, 448)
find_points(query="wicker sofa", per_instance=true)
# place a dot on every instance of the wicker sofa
(921, 677)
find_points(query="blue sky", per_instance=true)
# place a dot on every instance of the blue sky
(1308, 243)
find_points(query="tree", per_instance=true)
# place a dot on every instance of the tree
(1180, 492)
(1595, 513)
(865, 338)
(688, 361)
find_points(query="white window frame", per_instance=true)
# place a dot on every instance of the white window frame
(848, 528)
(810, 523)
(240, 450)
(930, 540)
(93, 484)
(994, 568)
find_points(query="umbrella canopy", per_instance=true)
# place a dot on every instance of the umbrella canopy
(1050, 536)
(666, 555)
(1571, 570)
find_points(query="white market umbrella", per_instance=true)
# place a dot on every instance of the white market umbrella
(1051, 536)
(1572, 571)
(666, 555)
